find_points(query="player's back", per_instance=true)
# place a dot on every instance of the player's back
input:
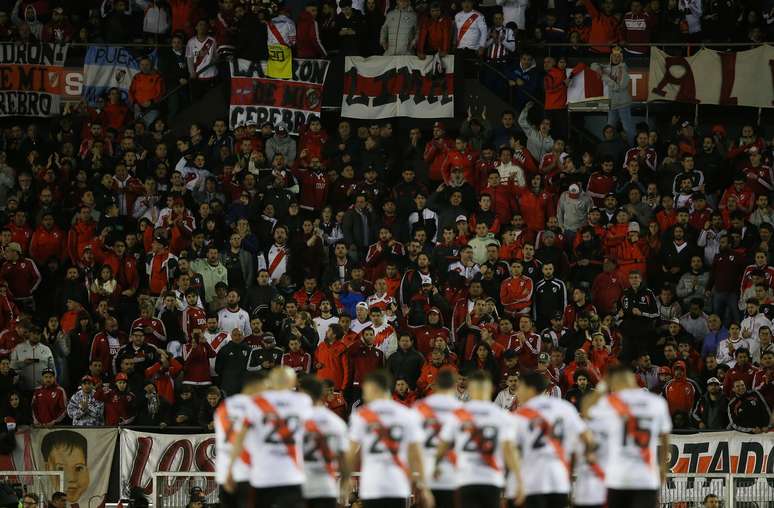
(384, 429)
(548, 430)
(436, 411)
(275, 441)
(633, 420)
(478, 431)
(325, 437)
(229, 417)
(589, 487)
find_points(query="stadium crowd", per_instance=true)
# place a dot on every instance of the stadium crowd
(143, 274)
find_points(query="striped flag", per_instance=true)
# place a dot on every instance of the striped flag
(585, 85)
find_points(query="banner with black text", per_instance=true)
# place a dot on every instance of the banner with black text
(255, 97)
(390, 86)
(31, 79)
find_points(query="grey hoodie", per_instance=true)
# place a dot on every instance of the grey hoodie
(616, 77)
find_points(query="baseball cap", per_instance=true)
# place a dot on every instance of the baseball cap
(674, 320)
(544, 358)
(14, 246)
(282, 126)
(713, 381)
(665, 370)
(137, 329)
(752, 150)
(361, 305)
(686, 123)
(278, 299)
(461, 218)
(439, 125)
(574, 189)
(122, 377)
(48, 371)
(426, 279)
(634, 227)
(679, 365)
(87, 379)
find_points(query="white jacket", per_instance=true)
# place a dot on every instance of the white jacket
(516, 11)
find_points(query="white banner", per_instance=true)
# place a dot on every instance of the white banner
(744, 78)
(145, 453)
(390, 86)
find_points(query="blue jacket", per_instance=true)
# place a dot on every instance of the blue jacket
(529, 90)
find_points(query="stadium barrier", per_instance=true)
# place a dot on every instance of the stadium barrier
(686, 490)
(41, 483)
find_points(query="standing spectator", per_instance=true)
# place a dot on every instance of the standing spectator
(406, 363)
(747, 410)
(352, 30)
(435, 33)
(555, 87)
(680, 392)
(146, 92)
(572, 211)
(84, 408)
(174, 68)
(31, 359)
(308, 42)
(515, 11)
(472, 31)
(49, 402)
(399, 32)
(524, 79)
(201, 53)
(616, 77)
(711, 411)
(604, 25)
(539, 140)
(500, 45)
(637, 27)
(638, 311)
(231, 363)
(21, 274)
(119, 401)
(742, 369)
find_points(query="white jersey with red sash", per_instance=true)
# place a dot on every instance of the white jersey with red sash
(633, 420)
(325, 438)
(478, 430)
(203, 53)
(548, 430)
(277, 421)
(275, 262)
(589, 487)
(437, 411)
(384, 429)
(471, 28)
(385, 338)
(282, 31)
(228, 420)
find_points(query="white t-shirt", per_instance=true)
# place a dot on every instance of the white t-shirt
(276, 461)
(478, 431)
(548, 430)
(228, 320)
(436, 411)
(333, 431)
(229, 417)
(633, 461)
(589, 488)
(380, 475)
(322, 324)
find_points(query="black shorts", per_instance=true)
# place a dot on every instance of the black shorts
(480, 496)
(546, 501)
(386, 502)
(321, 502)
(287, 496)
(243, 497)
(632, 498)
(444, 498)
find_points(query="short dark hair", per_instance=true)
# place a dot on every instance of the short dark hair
(381, 378)
(67, 439)
(445, 380)
(535, 380)
(480, 376)
(311, 386)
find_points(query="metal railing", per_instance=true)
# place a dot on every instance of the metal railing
(41, 483)
(686, 490)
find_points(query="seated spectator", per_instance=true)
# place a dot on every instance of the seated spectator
(747, 411)
(84, 408)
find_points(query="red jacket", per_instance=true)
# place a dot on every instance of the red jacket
(196, 369)
(299, 361)
(464, 160)
(47, 244)
(425, 335)
(600, 184)
(434, 35)
(22, 277)
(164, 378)
(516, 295)
(435, 155)
(504, 202)
(555, 89)
(528, 349)
(21, 235)
(124, 269)
(362, 361)
(49, 405)
(308, 44)
(330, 362)
(309, 302)
(745, 373)
(604, 28)
(105, 348)
(146, 88)
(117, 115)
(80, 234)
(536, 208)
(680, 394)
(606, 290)
(407, 400)
(119, 406)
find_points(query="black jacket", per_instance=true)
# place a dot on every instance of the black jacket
(748, 411)
(231, 365)
(406, 364)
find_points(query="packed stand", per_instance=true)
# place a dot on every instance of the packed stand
(144, 273)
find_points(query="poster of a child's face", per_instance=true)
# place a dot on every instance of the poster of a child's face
(67, 451)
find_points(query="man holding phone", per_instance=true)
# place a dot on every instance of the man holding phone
(30, 358)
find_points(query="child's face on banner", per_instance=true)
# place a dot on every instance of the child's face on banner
(72, 462)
